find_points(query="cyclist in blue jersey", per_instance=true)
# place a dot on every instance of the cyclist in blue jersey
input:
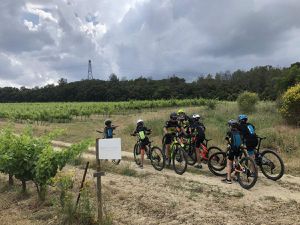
(235, 140)
(108, 129)
(248, 134)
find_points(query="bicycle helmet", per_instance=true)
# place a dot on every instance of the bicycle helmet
(243, 118)
(233, 123)
(180, 111)
(107, 122)
(196, 117)
(139, 122)
(173, 116)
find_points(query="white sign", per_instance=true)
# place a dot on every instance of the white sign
(109, 148)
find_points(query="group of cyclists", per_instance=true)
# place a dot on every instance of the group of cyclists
(181, 125)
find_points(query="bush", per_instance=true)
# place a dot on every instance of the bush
(30, 158)
(290, 105)
(247, 101)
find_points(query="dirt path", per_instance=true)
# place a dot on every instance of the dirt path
(153, 197)
(150, 197)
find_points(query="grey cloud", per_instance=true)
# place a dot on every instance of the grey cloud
(153, 38)
(14, 36)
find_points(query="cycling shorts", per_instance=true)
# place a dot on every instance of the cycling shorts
(168, 138)
(235, 152)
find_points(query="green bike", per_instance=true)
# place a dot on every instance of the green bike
(177, 154)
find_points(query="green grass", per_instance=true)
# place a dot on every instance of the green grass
(268, 122)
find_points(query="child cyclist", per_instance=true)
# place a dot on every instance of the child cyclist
(197, 129)
(183, 119)
(170, 129)
(142, 131)
(248, 134)
(235, 140)
(108, 129)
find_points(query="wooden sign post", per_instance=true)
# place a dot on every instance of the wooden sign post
(98, 174)
(105, 149)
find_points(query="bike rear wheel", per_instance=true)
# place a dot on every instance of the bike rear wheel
(247, 172)
(217, 163)
(271, 165)
(179, 160)
(157, 158)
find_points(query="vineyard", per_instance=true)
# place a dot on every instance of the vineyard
(65, 112)
(41, 169)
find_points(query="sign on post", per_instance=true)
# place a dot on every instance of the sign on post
(105, 149)
(109, 148)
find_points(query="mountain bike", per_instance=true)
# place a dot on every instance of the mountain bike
(243, 166)
(153, 153)
(269, 162)
(177, 154)
(114, 161)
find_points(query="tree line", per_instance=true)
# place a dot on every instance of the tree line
(269, 82)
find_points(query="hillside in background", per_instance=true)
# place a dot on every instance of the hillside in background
(269, 82)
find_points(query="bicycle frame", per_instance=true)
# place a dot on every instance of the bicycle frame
(173, 144)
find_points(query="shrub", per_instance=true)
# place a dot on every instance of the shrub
(247, 101)
(290, 105)
(30, 158)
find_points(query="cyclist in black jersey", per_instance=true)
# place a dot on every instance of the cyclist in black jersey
(197, 130)
(170, 129)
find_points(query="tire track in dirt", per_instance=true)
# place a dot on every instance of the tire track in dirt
(154, 197)
(287, 188)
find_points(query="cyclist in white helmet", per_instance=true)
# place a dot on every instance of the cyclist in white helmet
(141, 131)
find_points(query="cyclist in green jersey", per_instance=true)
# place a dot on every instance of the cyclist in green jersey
(141, 131)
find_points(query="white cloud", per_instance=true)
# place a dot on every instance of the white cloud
(31, 26)
(43, 41)
(36, 10)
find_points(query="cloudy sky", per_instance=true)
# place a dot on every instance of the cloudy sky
(42, 41)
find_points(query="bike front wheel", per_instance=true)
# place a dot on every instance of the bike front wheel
(179, 160)
(246, 172)
(157, 158)
(136, 153)
(271, 164)
(217, 163)
(213, 149)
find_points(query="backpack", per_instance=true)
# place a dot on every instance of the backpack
(251, 137)
(236, 140)
(199, 130)
(108, 132)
